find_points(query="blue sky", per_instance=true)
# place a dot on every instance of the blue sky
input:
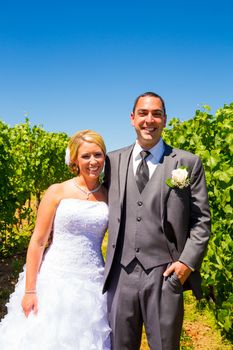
(73, 65)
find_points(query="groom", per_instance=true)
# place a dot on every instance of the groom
(159, 227)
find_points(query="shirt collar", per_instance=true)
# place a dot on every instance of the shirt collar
(156, 151)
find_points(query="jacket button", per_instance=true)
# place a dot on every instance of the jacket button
(114, 246)
(139, 203)
(139, 218)
(118, 219)
(137, 250)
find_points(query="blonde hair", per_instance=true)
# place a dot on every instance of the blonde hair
(75, 142)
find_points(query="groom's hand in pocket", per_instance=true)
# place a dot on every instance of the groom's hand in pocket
(181, 270)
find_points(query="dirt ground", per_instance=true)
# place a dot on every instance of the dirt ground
(9, 270)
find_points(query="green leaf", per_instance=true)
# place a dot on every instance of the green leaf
(169, 183)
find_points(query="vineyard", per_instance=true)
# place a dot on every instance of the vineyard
(211, 137)
(31, 159)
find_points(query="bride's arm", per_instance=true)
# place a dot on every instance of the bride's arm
(44, 222)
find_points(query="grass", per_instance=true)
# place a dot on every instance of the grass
(200, 325)
(199, 329)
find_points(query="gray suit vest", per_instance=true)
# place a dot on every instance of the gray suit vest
(141, 234)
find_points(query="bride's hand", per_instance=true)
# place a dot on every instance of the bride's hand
(29, 303)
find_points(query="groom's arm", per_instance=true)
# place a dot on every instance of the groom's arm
(194, 249)
(192, 255)
(107, 173)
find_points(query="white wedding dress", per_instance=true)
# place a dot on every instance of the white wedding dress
(72, 310)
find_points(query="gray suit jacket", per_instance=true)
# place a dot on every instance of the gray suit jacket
(185, 214)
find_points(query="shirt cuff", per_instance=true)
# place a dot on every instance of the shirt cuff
(191, 268)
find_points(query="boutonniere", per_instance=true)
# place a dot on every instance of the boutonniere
(179, 178)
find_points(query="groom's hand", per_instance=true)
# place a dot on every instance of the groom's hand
(181, 270)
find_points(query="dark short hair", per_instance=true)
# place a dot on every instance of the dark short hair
(152, 94)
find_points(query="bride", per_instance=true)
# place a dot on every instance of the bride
(58, 302)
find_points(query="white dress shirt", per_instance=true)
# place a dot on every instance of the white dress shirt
(152, 160)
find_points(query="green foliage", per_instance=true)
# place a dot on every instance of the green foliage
(211, 137)
(31, 159)
(7, 198)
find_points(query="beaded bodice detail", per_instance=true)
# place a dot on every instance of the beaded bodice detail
(79, 228)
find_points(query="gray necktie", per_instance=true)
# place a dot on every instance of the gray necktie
(142, 173)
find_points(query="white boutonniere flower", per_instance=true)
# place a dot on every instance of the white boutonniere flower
(179, 178)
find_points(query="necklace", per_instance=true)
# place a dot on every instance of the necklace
(87, 193)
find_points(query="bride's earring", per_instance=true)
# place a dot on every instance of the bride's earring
(77, 168)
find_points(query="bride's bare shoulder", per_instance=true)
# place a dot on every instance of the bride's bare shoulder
(57, 191)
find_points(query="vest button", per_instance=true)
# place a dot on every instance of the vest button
(114, 246)
(139, 218)
(137, 250)
(139, 203)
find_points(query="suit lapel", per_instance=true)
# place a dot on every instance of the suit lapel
(124, 159)
(169, 162)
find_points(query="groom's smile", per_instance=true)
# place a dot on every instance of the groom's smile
(148, 120)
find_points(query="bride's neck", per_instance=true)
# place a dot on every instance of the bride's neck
(89, 183)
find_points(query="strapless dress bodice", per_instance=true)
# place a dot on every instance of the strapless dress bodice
(78, 231)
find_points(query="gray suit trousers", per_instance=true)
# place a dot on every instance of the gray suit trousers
(137, 296)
